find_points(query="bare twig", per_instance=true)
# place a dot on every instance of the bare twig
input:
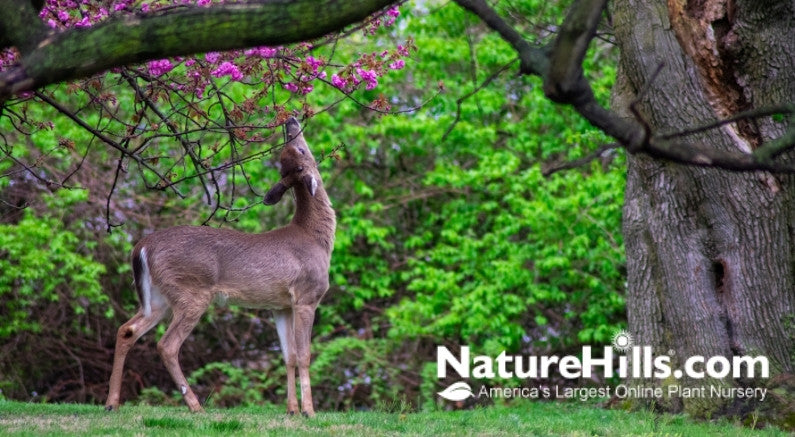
(463, 98)
(107, 140)
(119, 166)
(186, 145)
(753, 113)
(567, 165)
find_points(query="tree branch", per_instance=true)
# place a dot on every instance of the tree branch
(534, 60)
(701, 155)
(561, 69)
(564, 81)
(127, 40)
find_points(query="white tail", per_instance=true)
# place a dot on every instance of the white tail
(181, 270)
(145, 286)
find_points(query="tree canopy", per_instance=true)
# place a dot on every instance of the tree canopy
(51, 56)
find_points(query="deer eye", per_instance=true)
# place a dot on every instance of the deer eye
(301, 151)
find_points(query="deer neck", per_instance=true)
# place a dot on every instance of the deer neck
(315, 215)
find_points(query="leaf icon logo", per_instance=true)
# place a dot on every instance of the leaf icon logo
(457, 392)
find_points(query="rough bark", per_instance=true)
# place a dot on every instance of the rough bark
(710, 253)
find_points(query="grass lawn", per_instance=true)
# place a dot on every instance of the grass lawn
(521, 418)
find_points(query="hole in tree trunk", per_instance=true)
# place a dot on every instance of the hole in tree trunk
(719, 268)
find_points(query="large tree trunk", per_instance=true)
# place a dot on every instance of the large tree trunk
(710, 253)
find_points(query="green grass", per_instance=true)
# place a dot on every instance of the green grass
(525, 418)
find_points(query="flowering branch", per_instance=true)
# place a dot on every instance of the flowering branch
(76, 52)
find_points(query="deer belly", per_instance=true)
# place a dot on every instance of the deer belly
(259, 297)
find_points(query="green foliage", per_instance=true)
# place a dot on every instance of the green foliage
(361, 372)
(41, 264)
(451, 225)
(235, 385)
(428, 387)
(503, 256)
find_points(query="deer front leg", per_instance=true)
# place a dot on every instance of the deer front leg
(284, 326)
(126, 337)
(303, 317)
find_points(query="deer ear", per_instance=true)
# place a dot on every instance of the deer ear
(311, 184)
(275, 193)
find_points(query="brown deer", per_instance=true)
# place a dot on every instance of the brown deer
(181, 271)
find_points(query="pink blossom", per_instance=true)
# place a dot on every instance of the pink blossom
(267, 52)
(157, 68)
(397, 65)
(368, 76)
(227, 69)
(84, 22)
(338, 81)
(119, 6)
(263, 52)
(291, 87)
(402, 50)
(212, 57)
(392, 14)
(314, 63)
(51, 23)
(7, 57)
(145, 7)
(203, 2)
(63, 15)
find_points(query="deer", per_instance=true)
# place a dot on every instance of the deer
(182, 270)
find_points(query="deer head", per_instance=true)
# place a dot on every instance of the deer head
(298, 166)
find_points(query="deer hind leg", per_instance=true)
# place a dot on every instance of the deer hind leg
(126, 337)
(185, 319)
(284, 326)
(303, 317)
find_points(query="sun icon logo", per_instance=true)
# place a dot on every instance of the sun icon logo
(622, 341)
